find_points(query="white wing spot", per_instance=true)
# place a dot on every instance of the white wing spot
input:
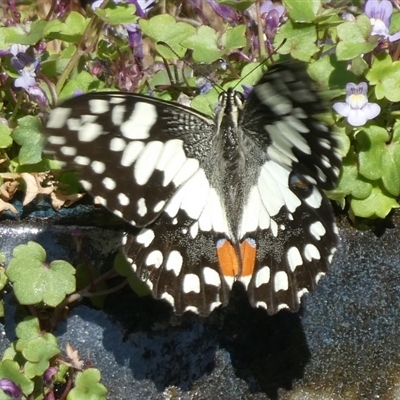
(58, 140)
(211, 277)
(317, 230)
(117, 144)
(81, 160)
(90, 132)
(142, 208)
(147, 161)
(58, 117)
(282, 306)
(159, 206)
(118, 213)
(319, 276)
(281, 281)
(109, 183)
(214, 305)
(138, 125)
(262, 276)
(86, 184)
(174, 262)
(74, 124)
(315, 199)
(154, 258)
(166, 296)
(101, 200)
(294, 258)
(187, 170)
(118, 115)
(99, 106)
(68, 150)
(261, 304)
(301, 293)
(145, 237)
(98, 167)
(193, 309)
(194, 230)
(131, 153)
(191, 283)
(123, 199)
(311, 252)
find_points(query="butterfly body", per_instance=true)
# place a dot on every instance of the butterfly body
(231, 199)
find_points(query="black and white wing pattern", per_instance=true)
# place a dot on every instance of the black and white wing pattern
(237, 198)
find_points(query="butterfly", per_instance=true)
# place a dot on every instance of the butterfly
(234, 198)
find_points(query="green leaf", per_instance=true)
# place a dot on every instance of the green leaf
(3, 278)
(27, 330)
(55, 64)
(372, 143)
(38, 353)
(88, 386)
(35, 281)
(124, 268)
(204, 44)
(351, 182)
(5, 136)
(208, 45)
(241, 5)
(302, 10)
(28, 134)
(378, 204)
(11, 370)
(85, 275)
(355, 38)
(300, 40)
(69, 31)
(164, 28)
(26, 34)
(391, 164)
(117, 14)
(328, 72)
(83, 81)
(234, 38)
(385, 74)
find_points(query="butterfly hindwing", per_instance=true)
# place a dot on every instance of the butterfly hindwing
(178, 264)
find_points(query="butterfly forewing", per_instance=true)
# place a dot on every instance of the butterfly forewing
(133, 152)
(237, 199)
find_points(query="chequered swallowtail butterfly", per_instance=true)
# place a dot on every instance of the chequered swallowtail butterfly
(237, 198)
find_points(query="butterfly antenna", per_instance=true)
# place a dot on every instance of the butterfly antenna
(188, 64)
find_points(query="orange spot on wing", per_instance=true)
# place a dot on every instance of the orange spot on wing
(248, 250)
(227, 257)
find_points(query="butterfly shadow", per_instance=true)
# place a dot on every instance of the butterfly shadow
(237, 349)
(268, 352)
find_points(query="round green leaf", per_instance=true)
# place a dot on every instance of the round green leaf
(88, 386)
(34, 281)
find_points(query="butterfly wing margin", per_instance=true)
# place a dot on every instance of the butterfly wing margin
(150, 143)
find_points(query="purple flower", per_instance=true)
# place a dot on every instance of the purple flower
(380, 13)
(268, 6)
(356, 109)
(26, 80)
(11, 389)
(48, 375)
(225, 12)
(134, 32)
